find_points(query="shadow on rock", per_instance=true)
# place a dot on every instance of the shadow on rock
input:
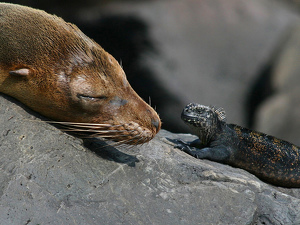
(108, 152)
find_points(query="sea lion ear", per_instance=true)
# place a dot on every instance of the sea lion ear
(20, 72)
(221, 114)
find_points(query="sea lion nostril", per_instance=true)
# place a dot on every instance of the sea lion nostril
(156, 123)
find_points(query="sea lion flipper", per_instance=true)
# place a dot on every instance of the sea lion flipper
(20, 72)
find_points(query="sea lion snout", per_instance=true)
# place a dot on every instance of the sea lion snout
(155, 120)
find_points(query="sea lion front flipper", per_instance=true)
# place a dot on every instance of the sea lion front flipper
(20, 72)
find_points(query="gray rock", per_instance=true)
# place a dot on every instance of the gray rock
(279, 114)
(286, 72)
(50, 177)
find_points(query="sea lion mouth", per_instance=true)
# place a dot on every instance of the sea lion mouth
(129, 133)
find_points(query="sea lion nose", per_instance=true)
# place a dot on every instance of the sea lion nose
(156, 123)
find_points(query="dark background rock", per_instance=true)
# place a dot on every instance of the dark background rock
(49, 177)
(279, 114)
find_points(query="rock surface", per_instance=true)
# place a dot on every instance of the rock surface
(50, 177)
(279, 115)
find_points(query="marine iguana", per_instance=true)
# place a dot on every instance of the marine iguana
(269, 158)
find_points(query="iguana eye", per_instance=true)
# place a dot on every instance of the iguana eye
(201, 111)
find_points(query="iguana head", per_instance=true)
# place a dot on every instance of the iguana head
(204, 121)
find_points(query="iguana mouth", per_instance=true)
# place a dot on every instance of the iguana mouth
(189, 117)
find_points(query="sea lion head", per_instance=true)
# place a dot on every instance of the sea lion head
(56, 70)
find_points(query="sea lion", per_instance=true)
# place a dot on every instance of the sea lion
(56, 70)
(269, 158)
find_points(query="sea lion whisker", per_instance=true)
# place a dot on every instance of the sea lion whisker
(83, 124)
(87, 131)
(91, 130)
(123, 142)
(140, 142)
(87, 126)
(115, 144)
(95, 132)
(118, 144)
(108, 131)
(110, 136)
(137, 139)
(73, 124)
(111, 143)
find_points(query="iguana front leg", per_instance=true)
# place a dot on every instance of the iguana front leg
(218, 154)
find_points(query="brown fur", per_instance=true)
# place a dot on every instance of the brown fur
(53, 68)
